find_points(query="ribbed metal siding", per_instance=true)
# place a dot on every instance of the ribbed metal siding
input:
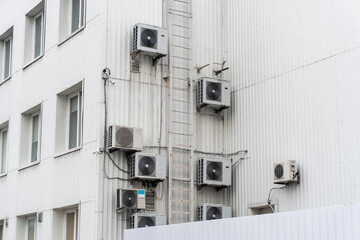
(295, 97)
(319, 224)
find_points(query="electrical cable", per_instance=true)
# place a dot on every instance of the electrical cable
(112, 178)
(105, 136)
(269, 196)
(237, 161)
(272, 208)
(202, 152)
(117, 166)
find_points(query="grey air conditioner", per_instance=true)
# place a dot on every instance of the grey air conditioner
(286, 172)
(140, 220)
(213, 93)
(150, 40)
(145, 166)
(207, 211)
(125, 138)
(130, 199)
(214, 171)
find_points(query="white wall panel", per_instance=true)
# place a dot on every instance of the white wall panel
(339, 222)
(295, 96)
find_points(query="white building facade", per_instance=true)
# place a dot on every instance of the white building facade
(294, 96)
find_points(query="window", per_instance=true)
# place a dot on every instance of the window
(1, 229)
(38, 32)
(72, 15)
(30, 140)
(65, 223)
(71, 224)
(6, 43)
(31, 228)
(34, 33)
(35, 137)
(74, 120)
(3, 149)
(7, 57)
(68, 135)
(76, 15)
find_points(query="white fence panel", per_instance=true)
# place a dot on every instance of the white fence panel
(334, 223)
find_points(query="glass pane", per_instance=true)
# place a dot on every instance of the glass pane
(38, 39)
(73, 122)
(1, 232)
(31, 229)
(3, 151)
(74, 104)
(7, 58)
(75, 15)
(35, 139)
(35, 131)
(70, 225)
(80, 121)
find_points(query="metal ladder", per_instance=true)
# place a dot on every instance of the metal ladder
(181, 117)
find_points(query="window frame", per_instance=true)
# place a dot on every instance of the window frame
(9, 38)
(31, 136)
(27, 227)
(76, 222)
(79, 120)
(41, 13)
(5, 129)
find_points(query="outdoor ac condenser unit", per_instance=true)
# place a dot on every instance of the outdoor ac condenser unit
(213, 93)
(130, 199)
(214, 171)
(207, 211)
(150, 40)
(125, 138)
(145, 166)
(140, 220)
(286, 172)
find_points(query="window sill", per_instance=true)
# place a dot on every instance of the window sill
(71, 35)
(30, 165)
(32, 61)
(5, 80)
(3, 174)
(68, 152)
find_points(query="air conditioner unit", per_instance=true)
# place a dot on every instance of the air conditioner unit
(207, 211)
(150, 40)
(130, 199)
(285, 172)
(214, 171)
(125, 138)
(140, 220)
(213, 93)
(147, 166)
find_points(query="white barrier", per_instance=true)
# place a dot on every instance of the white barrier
(332, 223)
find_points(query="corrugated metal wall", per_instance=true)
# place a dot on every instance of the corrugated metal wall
(294, 70)
(320, 224)
(133, 99)
(293, 73)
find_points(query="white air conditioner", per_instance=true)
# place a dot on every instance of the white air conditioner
(125, 138)
(130, 199)
(147, 166)
(286, 172)
(207, 211)
(150, 40)
(140, 220)
(214, 171)
(213, 93)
